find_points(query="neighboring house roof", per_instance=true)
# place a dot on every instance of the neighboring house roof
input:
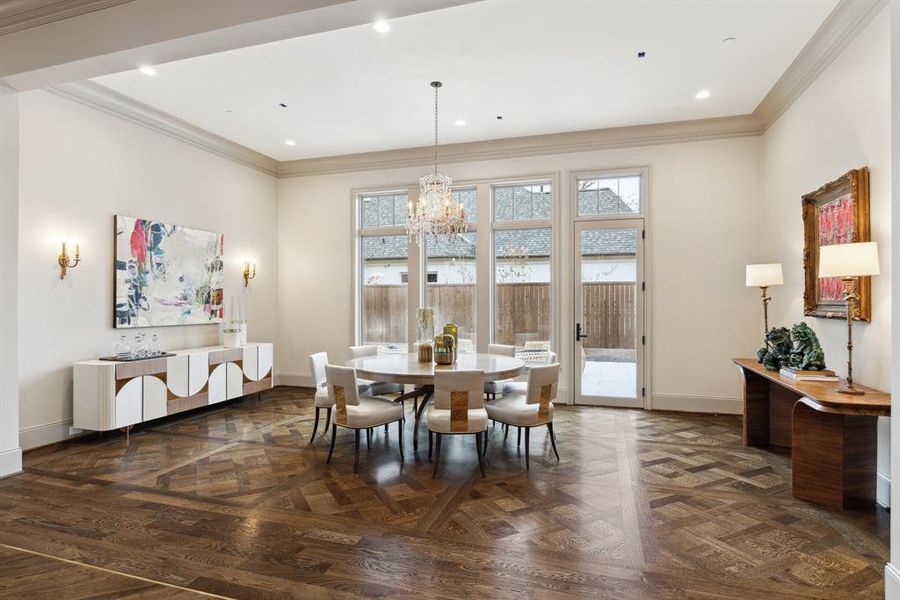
(514, 242)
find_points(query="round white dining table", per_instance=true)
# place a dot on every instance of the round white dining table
(406, 369)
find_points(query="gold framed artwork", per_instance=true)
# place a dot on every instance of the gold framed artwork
(836, 213)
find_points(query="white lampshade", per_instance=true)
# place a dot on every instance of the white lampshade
(848, 260)
(764, 275)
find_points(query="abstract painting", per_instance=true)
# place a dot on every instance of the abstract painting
(167, 274)
(836, 213)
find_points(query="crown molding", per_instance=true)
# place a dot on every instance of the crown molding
(534, 145)
(11, 22)
(111, 102)
(838, 30)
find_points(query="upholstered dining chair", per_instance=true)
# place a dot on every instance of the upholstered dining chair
(323, 401)
(356, 412)
(534, 408)
(458, 409)
(492, 388)
(378, 387)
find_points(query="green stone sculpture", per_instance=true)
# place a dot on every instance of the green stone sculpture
(807, 353)
(777, 350)
(798, 348)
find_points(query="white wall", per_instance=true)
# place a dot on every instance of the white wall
(841, 122)
(892, 569)
(705, 227)
(10, 452)
(80, 167)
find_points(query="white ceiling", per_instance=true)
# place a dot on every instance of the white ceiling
(546, 66)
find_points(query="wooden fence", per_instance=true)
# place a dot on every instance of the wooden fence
(523, 312)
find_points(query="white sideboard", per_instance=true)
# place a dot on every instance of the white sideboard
(111, 394)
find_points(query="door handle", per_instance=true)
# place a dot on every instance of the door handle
(578, 333)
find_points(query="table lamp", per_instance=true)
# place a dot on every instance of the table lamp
(762, 276)
(849, 262)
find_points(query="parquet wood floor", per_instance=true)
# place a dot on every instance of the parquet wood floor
(235, 502)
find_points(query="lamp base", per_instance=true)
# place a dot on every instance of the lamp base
(850, 390)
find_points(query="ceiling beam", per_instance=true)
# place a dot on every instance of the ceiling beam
(123, 36)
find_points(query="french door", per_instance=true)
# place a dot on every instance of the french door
(609, 312)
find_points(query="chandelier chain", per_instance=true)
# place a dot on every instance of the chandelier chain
(436, 88)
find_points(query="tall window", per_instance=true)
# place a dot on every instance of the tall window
(450, 264)
(384, 268)
(523, 242)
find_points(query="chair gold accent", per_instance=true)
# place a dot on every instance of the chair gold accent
(534, 408)
(458, 409)
(357, 412)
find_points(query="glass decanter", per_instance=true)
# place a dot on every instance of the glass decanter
(122, 349)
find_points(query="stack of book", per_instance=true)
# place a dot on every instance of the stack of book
(806, 375)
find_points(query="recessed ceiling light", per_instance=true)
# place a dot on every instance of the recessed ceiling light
(381, 26)
(148, 70)
(459, 122)
(290, 142)
(703, 95)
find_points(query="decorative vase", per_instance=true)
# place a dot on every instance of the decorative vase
(425, 324)
(425, 351)
(451, 329)
(444, 349)
(232, 338)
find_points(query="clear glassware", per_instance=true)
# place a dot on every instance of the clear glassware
(154, 345)
(140, 346)
(122, 349)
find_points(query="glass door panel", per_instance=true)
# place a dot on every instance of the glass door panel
(609, 313)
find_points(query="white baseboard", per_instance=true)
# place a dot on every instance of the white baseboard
(295, 379)
(883, 489)
(42, 435)
(891, 582)
(10, 462)
(700, 404)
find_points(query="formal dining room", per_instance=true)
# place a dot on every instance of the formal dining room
(448, 299)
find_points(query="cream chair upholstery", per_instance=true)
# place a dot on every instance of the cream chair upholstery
(531, 409)
(378, 387)
(458, 409)
(317, 364)
(356, 412)
(492, 388)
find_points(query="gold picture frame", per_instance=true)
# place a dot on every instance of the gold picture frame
(837, 212)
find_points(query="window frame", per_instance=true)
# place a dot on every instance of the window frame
(358, 234)
(512, 224)
(642, 172)
(483, 229)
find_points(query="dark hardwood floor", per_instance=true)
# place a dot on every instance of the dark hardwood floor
(234, 502)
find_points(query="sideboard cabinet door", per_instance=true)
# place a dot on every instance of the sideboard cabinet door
(129, 402)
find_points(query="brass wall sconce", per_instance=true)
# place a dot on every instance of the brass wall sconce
(249, 271)
(65, 263)
(849, 262)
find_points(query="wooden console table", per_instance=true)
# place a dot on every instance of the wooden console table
(832, 436)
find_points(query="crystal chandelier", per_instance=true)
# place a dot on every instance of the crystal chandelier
(435, 212)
